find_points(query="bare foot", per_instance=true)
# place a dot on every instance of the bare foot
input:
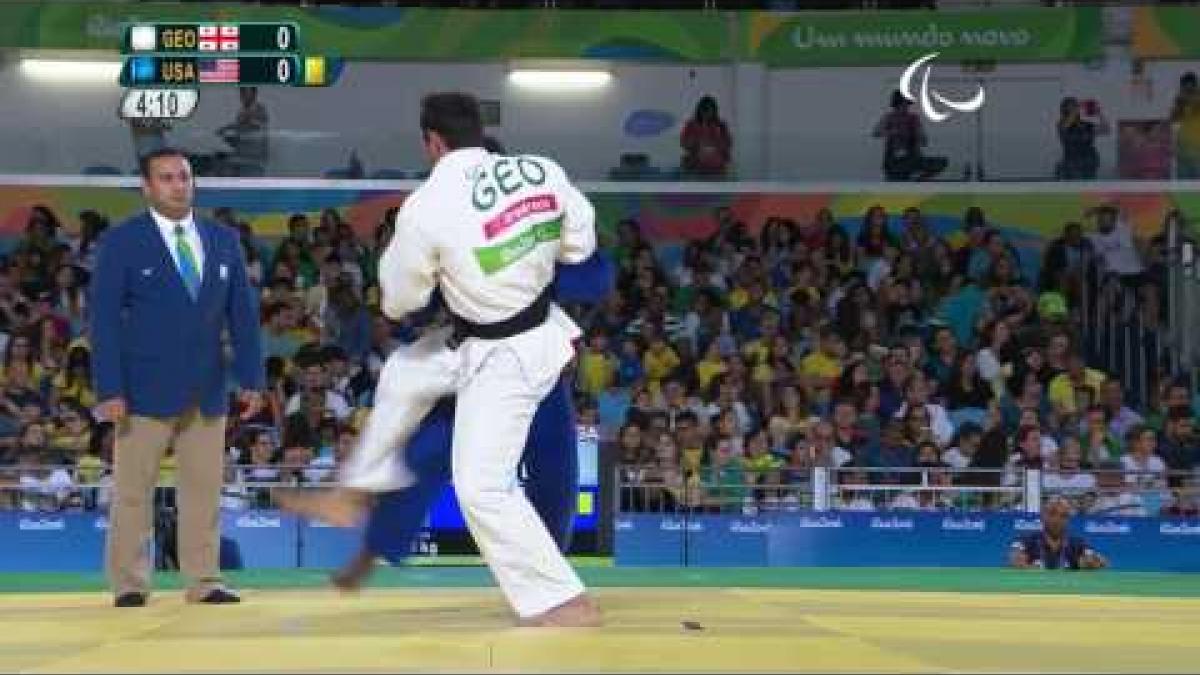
(340, 507)
(355, 573)
(578, 612)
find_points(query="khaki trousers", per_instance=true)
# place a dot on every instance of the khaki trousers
(141, 444)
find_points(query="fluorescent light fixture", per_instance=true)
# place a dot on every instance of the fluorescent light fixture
(60, 70)
(559, 80)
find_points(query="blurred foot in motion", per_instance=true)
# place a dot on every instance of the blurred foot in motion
(578, 612)
(351, 577)
(340, 507)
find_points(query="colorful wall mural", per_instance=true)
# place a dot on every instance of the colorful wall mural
(665, 217)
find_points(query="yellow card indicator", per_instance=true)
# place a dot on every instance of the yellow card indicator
(587, 503)
(314, 71)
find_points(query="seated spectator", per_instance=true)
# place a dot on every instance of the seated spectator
(658, 362)
(1114, 495)
(964, 447)
(1121, 418)
(346, 320)
(315, 385)
(93, 470)
(1176, 394)
(72, 435)
(44, 487)
(294, 465)
(279, 334)
(1180, 447)
(1144, 469)
(1068, 478)
(75, 380)
(823, 447)
(823, 366)
(260, 470)
(945, 359)
(726, 479)
(347, 377)
(1064, 391)
(917, 396)
(1054, 547)
(790, 416)
(629, 362)
(1100, 445)
(631, 453)
(1027, 455)
(999, 352)
(894, 452)
(966, 392)
(853, 492)
(761, 467)
(597, 368)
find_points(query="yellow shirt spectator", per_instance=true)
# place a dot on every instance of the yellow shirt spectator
(89, 469)
(1061, 392)
(707, 369)
(821, 365)
(74, 445)
(659, 361)
(757, 350)
(80, 390)
(737, 298)
(597, 372)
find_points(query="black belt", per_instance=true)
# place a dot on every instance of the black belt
(527, 319)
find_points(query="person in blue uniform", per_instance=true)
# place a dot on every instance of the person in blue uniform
(549, 464)
(1054, 547)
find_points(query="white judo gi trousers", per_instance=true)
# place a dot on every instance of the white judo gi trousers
(499, 385)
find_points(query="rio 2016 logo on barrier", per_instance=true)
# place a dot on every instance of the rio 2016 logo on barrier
(926, 96)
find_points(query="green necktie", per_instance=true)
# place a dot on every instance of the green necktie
(188, 269)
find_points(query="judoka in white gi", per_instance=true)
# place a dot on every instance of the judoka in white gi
(488, 230)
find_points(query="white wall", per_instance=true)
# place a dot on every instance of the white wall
(819, 120)
(373, 109)
(810, 124)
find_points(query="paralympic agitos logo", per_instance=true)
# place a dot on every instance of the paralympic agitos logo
(926, 98)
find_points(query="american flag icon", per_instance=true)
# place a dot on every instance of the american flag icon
(219, 71)
(209, 38)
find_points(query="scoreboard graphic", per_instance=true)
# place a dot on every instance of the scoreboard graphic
(165, 63)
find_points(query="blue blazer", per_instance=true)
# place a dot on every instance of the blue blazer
(151, 342)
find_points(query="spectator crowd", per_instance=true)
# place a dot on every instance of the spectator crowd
(721, 372)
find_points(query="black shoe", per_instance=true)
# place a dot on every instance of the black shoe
(131, 600)
(219, 596)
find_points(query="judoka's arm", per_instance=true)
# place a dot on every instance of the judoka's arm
(589, 281)
(406, 269)
(578, 241)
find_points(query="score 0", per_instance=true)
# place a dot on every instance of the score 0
(285, 37)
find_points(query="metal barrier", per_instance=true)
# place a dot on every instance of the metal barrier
(1183, 301)
(647, 489)
(67, 487)
(1113, 318)
(1126, 493)
(640, 490)
(1116, 336)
